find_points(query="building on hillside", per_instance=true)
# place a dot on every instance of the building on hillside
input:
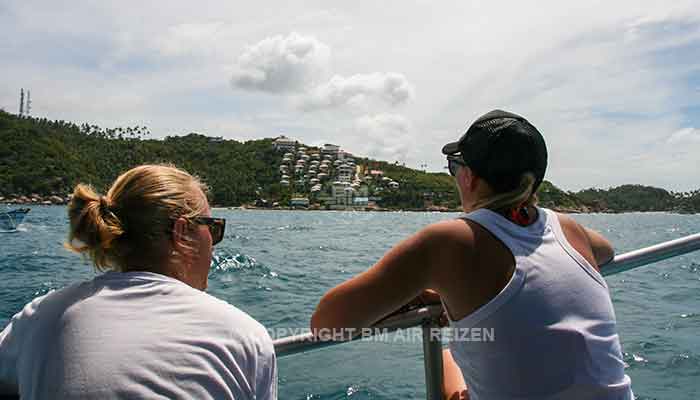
(299, 202)
(342, 193)
(284, 143)
(345, 156)
(360, 201)
(345, 173)
(330, 149)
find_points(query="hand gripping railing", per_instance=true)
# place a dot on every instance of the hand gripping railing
(427, 317)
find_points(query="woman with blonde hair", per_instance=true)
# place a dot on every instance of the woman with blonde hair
(527, 276)
(144, 328)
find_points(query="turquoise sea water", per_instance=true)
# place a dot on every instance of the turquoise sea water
(276, 264)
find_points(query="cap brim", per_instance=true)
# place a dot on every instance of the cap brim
(450, 148)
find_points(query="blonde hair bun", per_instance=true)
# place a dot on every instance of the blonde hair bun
(132, 220)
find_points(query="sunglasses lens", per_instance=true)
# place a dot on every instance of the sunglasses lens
(214, 230)
(217, 232)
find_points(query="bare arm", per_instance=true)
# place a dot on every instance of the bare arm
(402, 274)
(602, 248)
(591, 244)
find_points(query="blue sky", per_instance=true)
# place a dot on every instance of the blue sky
(613, 86)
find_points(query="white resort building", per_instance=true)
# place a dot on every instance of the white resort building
(345, 173)
(284, 143)
(330, 149)
(328, 176)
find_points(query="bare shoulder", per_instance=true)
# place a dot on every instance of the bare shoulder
(454, 231)
(577, 237)
(449, 242)
(570, 226)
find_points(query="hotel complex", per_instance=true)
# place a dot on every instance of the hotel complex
(328, 177)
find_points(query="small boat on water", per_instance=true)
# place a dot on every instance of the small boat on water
(10, 220)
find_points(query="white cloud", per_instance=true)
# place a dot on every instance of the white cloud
(281, 64)
(390, 88)
(295, 64)
(685, 135)
(383, 136)
(607, 83)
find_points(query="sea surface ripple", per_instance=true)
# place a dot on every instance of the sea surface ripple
(275, 265)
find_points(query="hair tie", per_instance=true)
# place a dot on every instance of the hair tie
(104, 204)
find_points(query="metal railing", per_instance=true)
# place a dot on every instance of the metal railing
(426, 317)
(649, 255)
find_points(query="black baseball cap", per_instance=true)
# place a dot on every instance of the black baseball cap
(501, 146)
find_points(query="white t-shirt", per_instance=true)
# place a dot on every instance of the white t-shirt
(135, 335)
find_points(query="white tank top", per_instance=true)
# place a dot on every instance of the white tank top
(550, 333)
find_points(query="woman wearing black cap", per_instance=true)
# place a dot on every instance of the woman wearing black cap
(531, 316)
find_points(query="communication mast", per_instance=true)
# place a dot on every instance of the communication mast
(29, 103)
(21, 102)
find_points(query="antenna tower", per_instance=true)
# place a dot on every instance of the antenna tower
(29, 103)
(21, 102)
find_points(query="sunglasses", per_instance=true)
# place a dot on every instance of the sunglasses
(216, 227)
(453, 164)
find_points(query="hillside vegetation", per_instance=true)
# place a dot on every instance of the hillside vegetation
(42, 157)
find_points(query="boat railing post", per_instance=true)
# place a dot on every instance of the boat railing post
(432, 360)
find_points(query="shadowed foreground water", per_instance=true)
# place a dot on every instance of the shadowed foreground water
(276, 264)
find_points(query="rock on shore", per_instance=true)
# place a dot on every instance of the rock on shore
(34, 198)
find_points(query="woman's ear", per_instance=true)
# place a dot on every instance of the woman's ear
(476, 183)
(466, 178)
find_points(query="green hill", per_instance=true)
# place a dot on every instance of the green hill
(630, 198)
(49, 157)
(42, 157)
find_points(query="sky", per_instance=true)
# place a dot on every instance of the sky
(614, 86)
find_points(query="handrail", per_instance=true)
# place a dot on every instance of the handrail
(306, 342)
(427, 316)
(648, 255)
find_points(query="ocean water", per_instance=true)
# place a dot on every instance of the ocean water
(275, 265)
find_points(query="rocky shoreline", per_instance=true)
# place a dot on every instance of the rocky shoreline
(54, 199)
(37, 199)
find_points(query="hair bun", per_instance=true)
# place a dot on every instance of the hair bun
(93, 223)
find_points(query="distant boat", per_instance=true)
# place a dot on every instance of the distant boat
(10, 220)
